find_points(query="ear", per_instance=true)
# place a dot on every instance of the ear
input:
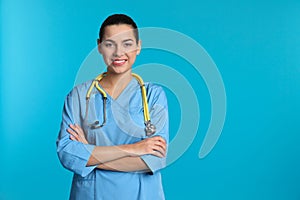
(99, 46)
(139, 47)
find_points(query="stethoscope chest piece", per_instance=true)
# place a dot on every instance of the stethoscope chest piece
(150, 128)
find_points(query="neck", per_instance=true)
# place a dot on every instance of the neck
(114, 84)
(117, 79)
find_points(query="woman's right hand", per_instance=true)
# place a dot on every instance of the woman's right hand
(154, 145)
(77, 133)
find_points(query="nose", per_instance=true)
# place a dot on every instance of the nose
(119, 51)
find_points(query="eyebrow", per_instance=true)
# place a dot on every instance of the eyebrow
(126, 40)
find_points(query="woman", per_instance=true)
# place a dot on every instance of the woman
(102, 139)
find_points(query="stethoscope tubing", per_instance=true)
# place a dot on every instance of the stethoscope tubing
(150, 129)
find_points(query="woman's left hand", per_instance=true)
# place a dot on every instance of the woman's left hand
(77, 133)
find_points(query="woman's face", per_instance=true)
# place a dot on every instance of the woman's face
(119, 48)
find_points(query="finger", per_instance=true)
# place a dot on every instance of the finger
(72, 126)
(155, 144)
(74, 130)
(158, 154)
(160, 149)
(73, 133)
(80, 131)
(72, 138)
(159, 138)
(81, 134)
(161, 145)
(78, 128)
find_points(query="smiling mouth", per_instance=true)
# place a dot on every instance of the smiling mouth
(119, 62)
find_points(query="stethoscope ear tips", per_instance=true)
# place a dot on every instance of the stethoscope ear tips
(150, 128)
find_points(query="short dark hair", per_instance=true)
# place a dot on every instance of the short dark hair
(117, 19)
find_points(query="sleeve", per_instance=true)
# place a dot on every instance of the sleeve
(73, 155)
(158, 107)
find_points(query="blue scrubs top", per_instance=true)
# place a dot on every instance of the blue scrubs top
(124, 125)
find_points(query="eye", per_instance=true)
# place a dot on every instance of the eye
(108, 44)
(128, 44)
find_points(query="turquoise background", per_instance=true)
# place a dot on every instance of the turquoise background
(255, 44)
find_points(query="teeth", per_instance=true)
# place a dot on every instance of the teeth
(119, 61)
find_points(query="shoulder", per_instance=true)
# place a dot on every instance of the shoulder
(155, 93)
(153, 87)
(80, 89)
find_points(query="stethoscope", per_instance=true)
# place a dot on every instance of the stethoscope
(150, 129)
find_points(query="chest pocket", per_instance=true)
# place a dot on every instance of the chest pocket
(137, 115)
(97, 136)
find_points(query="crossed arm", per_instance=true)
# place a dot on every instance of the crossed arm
(122, 157)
